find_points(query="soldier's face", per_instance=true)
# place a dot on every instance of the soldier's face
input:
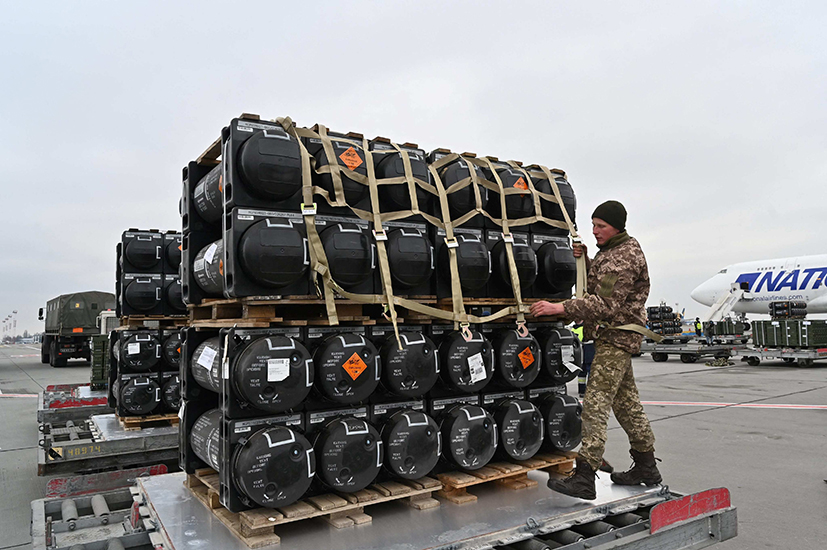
(602, 231)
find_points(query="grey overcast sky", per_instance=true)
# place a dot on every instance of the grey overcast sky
(706, 118)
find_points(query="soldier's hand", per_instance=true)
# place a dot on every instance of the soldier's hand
(543, 309)
(579, 249)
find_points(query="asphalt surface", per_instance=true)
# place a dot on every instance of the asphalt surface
(771, 458)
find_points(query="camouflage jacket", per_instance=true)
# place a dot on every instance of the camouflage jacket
(617, 289)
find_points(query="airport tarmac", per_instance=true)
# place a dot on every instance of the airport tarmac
(759, 431)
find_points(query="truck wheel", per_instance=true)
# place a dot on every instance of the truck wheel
(659, 357)
(688, 357)
(805, 362)
(54, 359)
(753, 361)
(788, 360)
(44, 351)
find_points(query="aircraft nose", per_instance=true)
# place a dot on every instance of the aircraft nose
(703, 294)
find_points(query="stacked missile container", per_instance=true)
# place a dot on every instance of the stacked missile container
(144, 352)
(283, 412)
(663, 320)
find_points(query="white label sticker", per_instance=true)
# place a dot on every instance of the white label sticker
(206, 358)
(198, 265)
(477, 366)
(210, 253)
(133, 349)
(567, 355)
(226, 368)
(278, 369)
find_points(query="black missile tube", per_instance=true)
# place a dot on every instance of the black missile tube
(413, 444)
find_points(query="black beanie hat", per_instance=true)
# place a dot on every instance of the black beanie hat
(613, 213)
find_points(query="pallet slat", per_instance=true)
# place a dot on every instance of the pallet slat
(256, 527)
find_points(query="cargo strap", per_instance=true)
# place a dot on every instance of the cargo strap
(508, 239)
(580, 288)
(318, 258)
(631, 327)
(381, 237)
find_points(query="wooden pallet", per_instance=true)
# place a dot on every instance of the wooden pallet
(511, 475)
(138, 321)
(260, 312)
(256, 528)
(135, 423)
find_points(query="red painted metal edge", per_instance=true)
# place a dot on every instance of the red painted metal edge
(64, 487)
(691, 506)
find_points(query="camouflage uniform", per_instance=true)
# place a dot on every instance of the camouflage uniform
(618, 286)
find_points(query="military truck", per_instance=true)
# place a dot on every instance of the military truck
(71, 319)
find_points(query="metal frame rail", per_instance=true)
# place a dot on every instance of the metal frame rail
(690, 353)
(100, 443)
(803, 357)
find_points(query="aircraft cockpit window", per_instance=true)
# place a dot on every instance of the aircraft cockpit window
(722, 271)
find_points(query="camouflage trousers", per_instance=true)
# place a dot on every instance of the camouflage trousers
(612, 387)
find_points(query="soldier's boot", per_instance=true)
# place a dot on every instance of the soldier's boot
(606, 467)
(579, 485)
(644, 470)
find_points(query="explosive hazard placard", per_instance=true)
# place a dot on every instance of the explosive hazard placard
(355, 366)
(351, 158)
(526, 358)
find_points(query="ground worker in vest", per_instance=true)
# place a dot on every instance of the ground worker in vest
(617, 290)
(698, 327)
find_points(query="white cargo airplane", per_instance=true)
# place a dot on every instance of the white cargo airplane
(801, 279)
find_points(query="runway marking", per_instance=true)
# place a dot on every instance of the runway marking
(18, 395)
(29, 355)
(739, 405)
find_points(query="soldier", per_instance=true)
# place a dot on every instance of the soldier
(613, 315)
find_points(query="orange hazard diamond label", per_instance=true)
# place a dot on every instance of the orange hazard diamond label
(521, 184)
(351, 158)
(354, 366)
(526, 358)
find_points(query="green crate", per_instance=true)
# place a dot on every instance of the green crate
(791, 330)
(814, 333)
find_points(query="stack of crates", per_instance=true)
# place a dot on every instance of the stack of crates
(792, 333)
(100, 362)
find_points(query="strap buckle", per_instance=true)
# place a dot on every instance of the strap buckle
(451, 243)
(508, 237)
(308, 210)
(380, 235)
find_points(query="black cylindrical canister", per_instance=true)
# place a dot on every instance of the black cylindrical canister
(413, 370)
(206, 364)
(349, 254)
(557, 266)
(207, 197)
(467, 365)
(390, 165)
(348, 368)
(551, 209)
(273, 467)
(469, 436)
(143, 254)
(171, 393)
(413, 444)
(349, 155)
(349, 454)
(462, 200)
(273, 374)
(473, 263)
(208, 268)
(517, 358)
(140, 395)
(521, 428)
(525, 260)
(411, 258)
(562, 421)
(517, 205)
(274, 253)
(269, 164)
(142, 294)
(139, 353)
(171, 349)
(173, 253)
(175, 297)
(562, 354)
